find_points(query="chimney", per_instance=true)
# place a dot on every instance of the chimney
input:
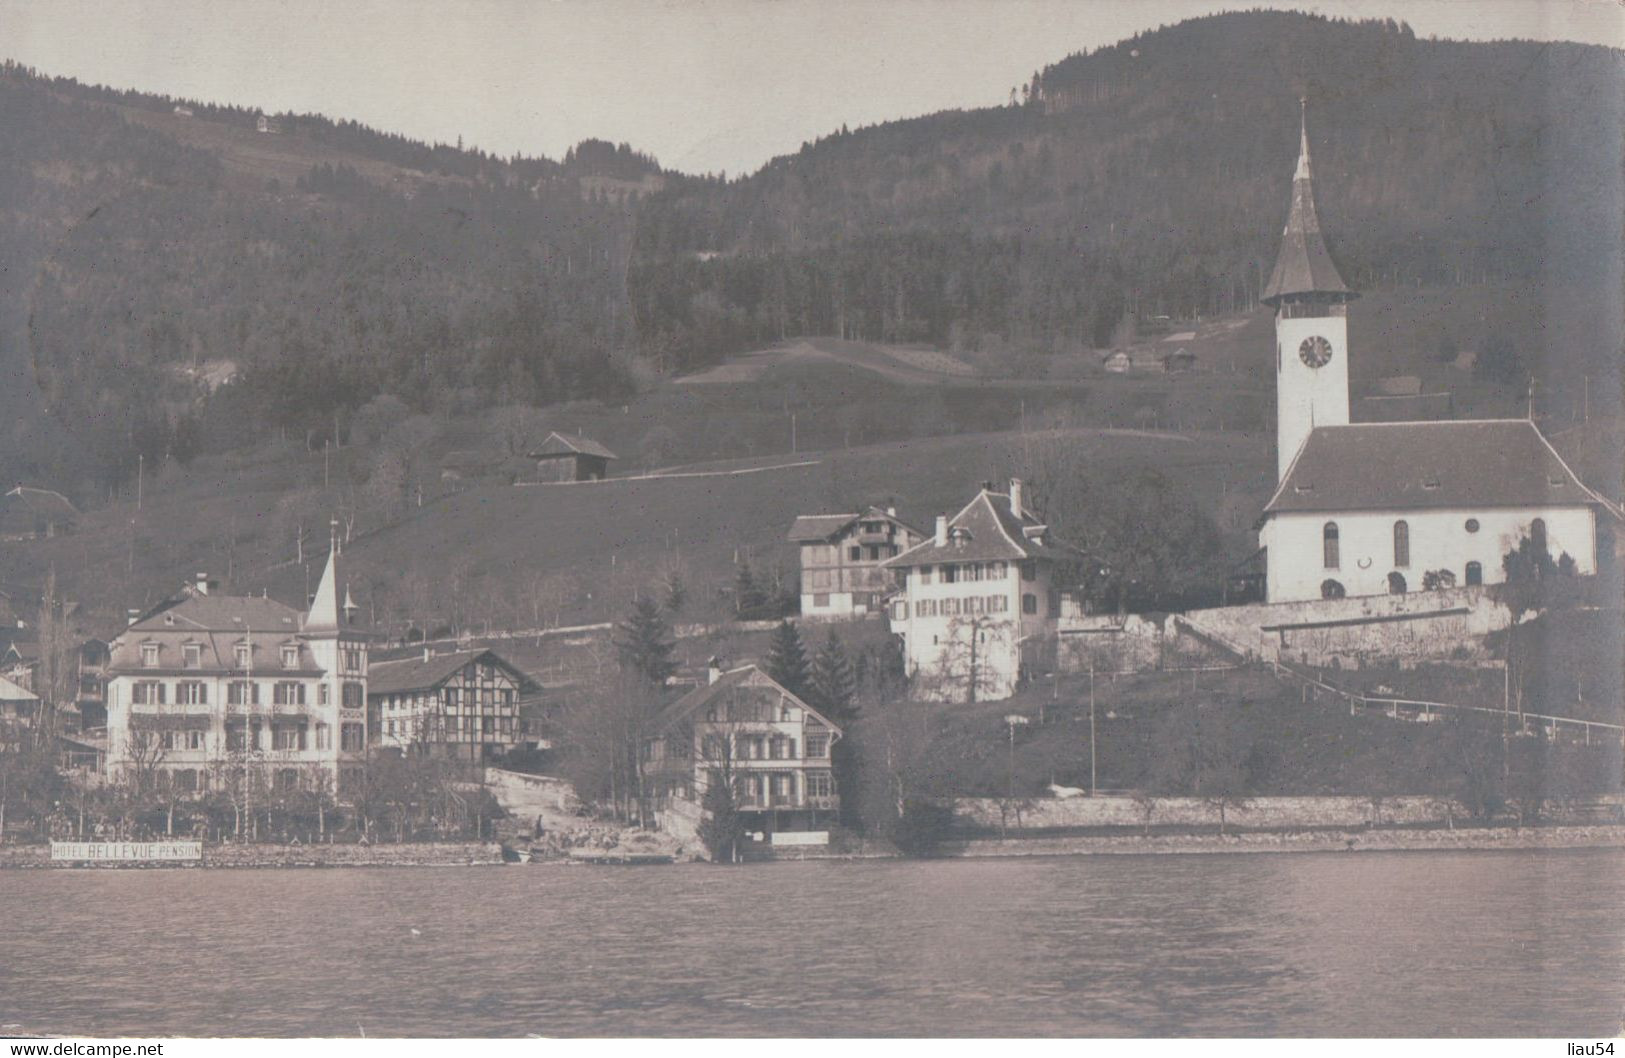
(942, 531)
(713, 669)
(202, 582)
(1015, 497)
(425, 652)
(891, 511)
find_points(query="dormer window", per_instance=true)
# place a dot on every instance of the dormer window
(290, 656)
(243, 654)
(191, 655)
(149, 655)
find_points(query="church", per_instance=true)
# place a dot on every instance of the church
(1375, 508)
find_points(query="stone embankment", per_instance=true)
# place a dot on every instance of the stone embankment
(411, 854)
(1374, 840)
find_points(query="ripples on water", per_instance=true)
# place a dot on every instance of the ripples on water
(1408, 944)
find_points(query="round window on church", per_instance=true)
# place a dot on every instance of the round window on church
(1472, 525)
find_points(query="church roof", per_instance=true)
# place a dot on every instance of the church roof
(1303, 266)
(1428, 465)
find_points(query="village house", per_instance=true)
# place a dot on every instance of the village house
(207, 690)
(467, 705)
(562, 457)
(1373, 508)
(35, 514)
(18, 708)
(744, 728)
(842, 558)
(981, 598)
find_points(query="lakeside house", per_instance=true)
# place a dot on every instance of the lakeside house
(746, 729)
(207, 690)
(467, 705)
(842, 557)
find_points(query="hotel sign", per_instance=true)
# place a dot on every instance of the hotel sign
(125, 851)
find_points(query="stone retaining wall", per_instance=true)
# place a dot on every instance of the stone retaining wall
(1488, 838)
(1272, 813)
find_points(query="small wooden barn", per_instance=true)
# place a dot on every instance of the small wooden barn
(566, 457)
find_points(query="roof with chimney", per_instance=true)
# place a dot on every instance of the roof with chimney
(1422, 465)
(988, 528)
(423, 673)
(744, 678)
(561, 444)
(817, 528)
(1303, 267)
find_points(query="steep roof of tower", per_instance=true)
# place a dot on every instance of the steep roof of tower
(324, 615)
(1303, 265)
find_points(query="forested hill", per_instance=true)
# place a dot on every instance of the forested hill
(1154, 174)
(153, 248)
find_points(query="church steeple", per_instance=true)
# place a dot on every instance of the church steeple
(1303, 269)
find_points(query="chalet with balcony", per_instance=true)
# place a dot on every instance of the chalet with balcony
(745, 729)
(842, 575)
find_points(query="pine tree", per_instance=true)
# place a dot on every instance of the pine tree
(787, 660)
(644, 642)
(747, 596)
(833, 685)
(721, 829)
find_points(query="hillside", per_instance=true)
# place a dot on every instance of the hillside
(1151, 177)
(314, 267)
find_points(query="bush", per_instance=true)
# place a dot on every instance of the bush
(923, 828)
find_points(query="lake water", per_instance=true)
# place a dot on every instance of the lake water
(1369, 944)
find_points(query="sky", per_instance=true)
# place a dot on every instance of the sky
(704, 85)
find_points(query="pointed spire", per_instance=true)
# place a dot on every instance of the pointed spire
(324, 608)
(1303, 268)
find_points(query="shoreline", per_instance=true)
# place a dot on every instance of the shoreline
(490, 854)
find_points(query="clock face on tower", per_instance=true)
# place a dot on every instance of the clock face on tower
(1315, 351)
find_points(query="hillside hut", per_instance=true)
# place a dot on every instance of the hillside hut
(1117, 363)
(566, 457)
(27, 513)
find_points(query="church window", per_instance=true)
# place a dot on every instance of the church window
(1537, 534)
(1396, 583)
(1475, 574)
(1332, 589)
(1330, 557)
(1472, 525)
(1402, 544)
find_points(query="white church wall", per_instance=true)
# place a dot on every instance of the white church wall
(1306, 396)
(1438, 540)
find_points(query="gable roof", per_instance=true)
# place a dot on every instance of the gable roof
(10, 692)
(987, 529)
(745, 676)
(812, 528)
(419, 673)
(1428, 465)
(560, 444)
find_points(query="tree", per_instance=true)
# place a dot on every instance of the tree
(644, 644)
(721, 829)
(748, 596)
(1499, 361)
(55, 683)
(787, 660)
(1202, 751)
(1534, 584)
(832, 684)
